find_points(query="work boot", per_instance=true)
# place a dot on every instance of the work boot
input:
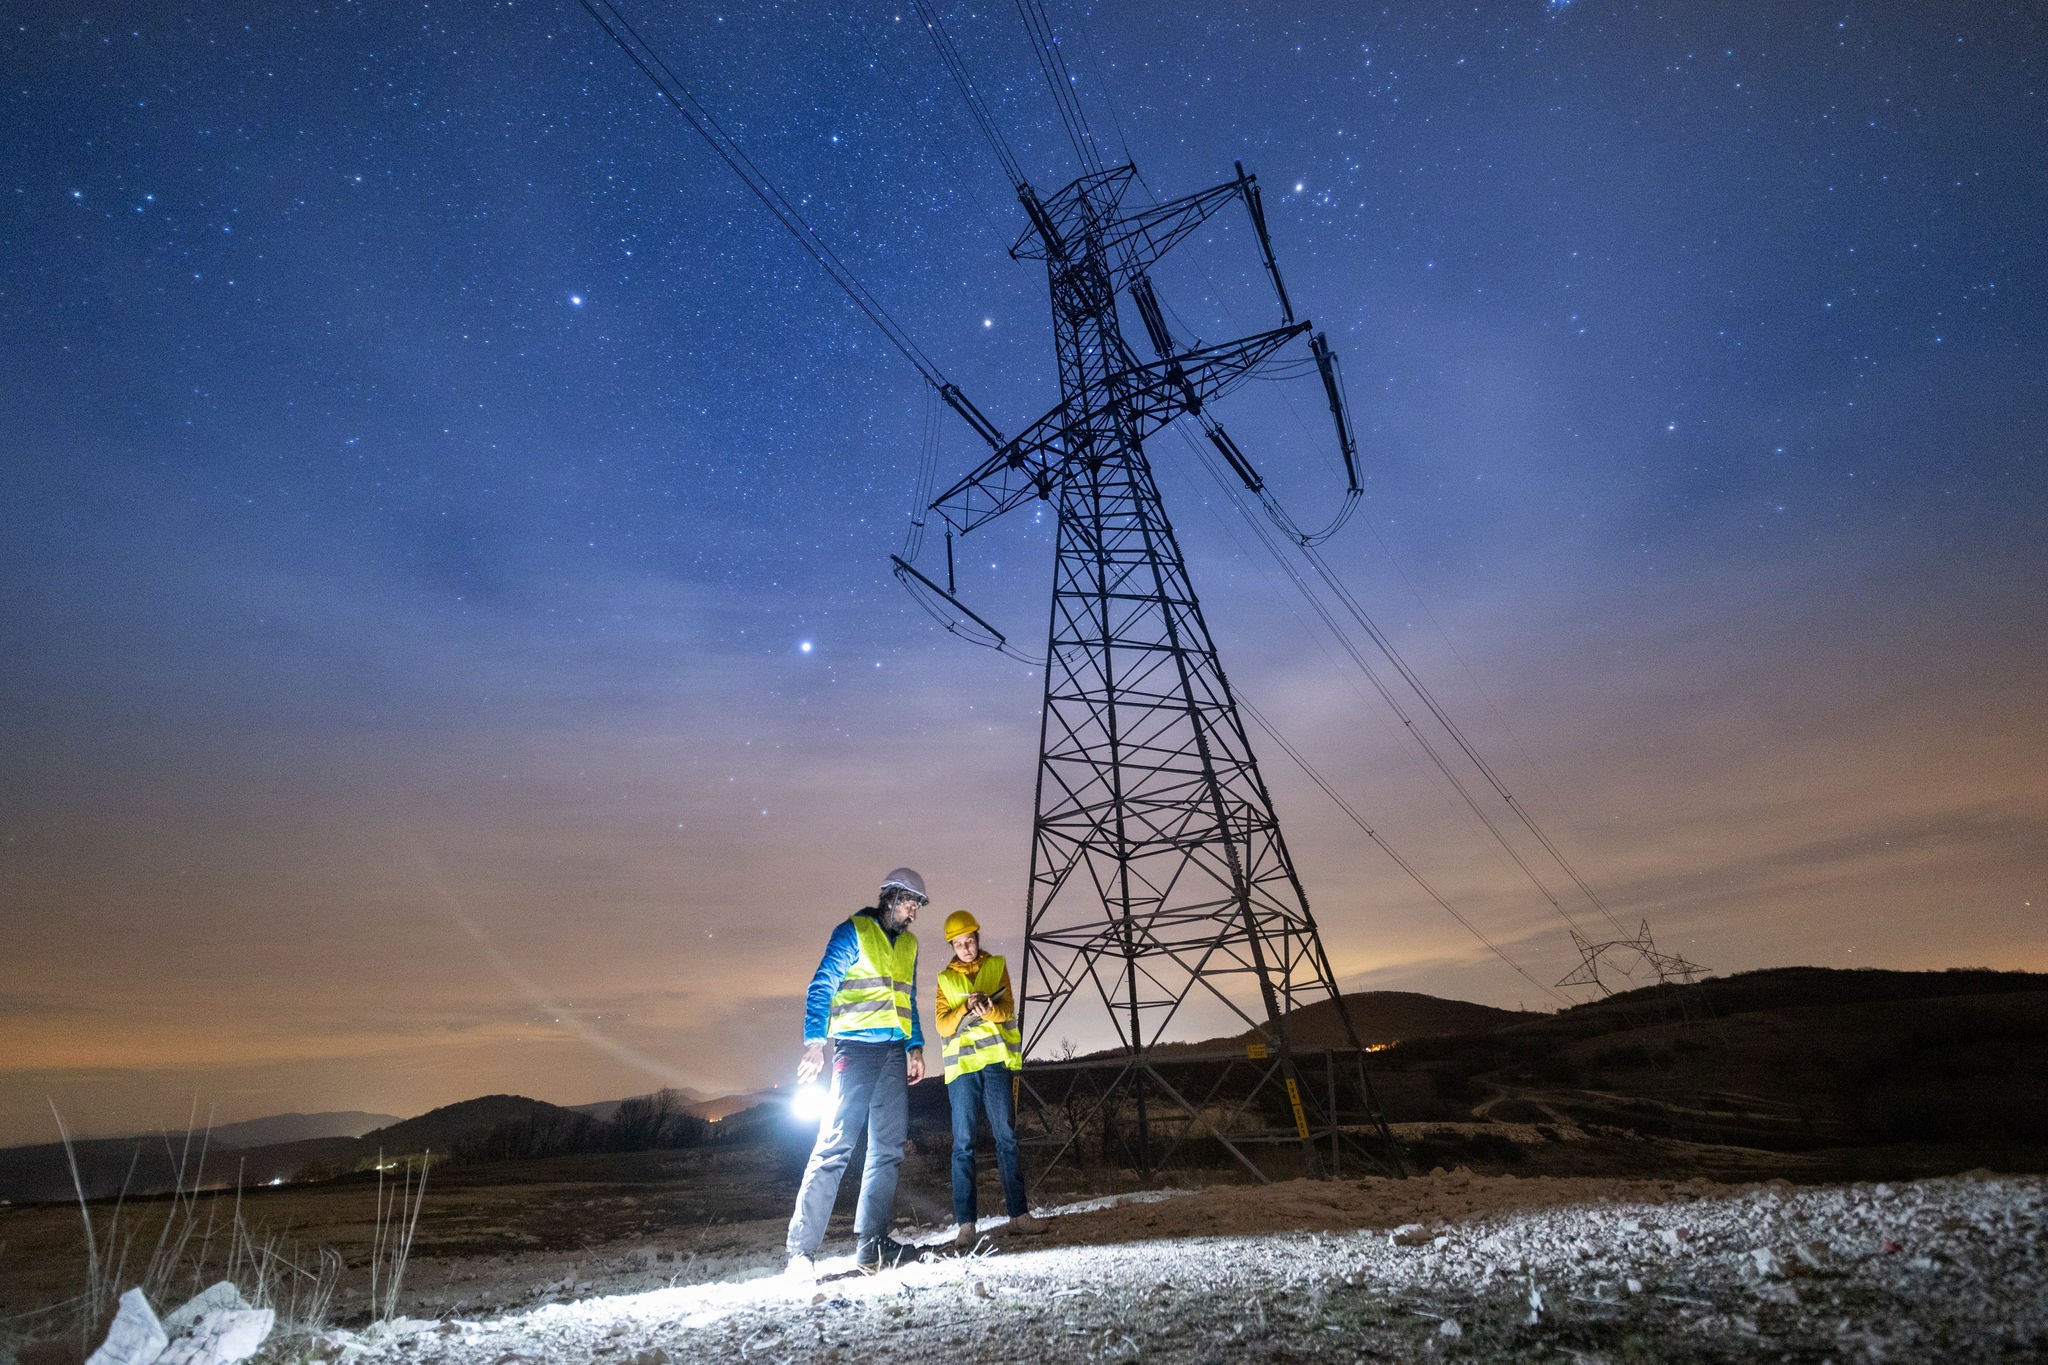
(801, 1266)
(965, 1235)
(1027, 1223)
(877, 1254)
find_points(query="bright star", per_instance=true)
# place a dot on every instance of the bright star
(988, 322)
(803, 647)
(576, 300)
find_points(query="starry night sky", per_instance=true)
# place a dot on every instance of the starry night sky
(449, 641)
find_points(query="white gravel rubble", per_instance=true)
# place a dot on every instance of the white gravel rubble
(1441, 1267)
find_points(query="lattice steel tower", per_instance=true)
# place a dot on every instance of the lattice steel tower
(1157, 863)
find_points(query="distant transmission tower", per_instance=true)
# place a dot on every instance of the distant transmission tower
(1669, 967)
(1158, 870)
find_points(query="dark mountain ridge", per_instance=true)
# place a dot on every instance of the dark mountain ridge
(1379, 1017)
(1788, 1060)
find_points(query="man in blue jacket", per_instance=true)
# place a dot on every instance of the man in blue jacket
(863, 998)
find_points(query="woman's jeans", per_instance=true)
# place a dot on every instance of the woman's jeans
(987, 1089)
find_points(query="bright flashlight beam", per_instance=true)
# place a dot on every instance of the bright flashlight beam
(597, 1038)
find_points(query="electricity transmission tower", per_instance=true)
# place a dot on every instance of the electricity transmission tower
(1157, 865)
(1158, 870)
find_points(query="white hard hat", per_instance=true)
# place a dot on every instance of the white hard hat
(905, 879)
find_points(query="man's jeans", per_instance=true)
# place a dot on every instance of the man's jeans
(988, 1088)
(869, 1087)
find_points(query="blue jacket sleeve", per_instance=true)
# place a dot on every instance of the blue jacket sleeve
(916, 1028)
(841, 951)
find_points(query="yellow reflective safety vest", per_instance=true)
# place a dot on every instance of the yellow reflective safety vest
(875, 992)
(978, 1042)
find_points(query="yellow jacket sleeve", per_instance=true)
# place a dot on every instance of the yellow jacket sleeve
(947, 1018)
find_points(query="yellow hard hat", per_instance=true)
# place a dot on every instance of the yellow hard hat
(958, 923)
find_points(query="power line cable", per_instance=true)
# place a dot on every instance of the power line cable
(1472, 677)
(984, 118)
(1443, 718)
(927, 474)
(1045, 46)
(1293, 751)
(1103, 87)
(1301, 761)
(1372, 675)
(701, 121)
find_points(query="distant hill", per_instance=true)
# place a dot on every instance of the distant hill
(298, 1128)
(1378, 1016)
(1389, 1017)
(139, 1167)
(151, 1165)
(1785, 987)
(607, 1110)
(719, 1107)
(1788, 1059)
(453, 1126)
(253, 1152)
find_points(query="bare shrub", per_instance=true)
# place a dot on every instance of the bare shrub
(657, 1120)
(398, 1217)
(171, 1249)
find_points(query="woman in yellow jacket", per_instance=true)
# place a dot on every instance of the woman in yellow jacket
(977, 1023)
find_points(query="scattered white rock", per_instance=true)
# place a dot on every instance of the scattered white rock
(1551, 1255)
(135, 1337)
(222, 1297)
(221, 1337)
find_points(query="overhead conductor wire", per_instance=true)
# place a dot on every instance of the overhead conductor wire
(1372, 675)
(984, 118)
(621, 31)
(774, 200)
(1045, 46)
(1486, 770)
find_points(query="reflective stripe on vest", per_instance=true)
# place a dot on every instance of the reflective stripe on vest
(875, 992)
(978, 1042)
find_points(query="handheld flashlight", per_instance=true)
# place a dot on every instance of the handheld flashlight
(811, 1102)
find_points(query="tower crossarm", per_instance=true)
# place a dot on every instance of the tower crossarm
(1135, 243)
(1151, 396)
(1157, 393)
(1090, 209)
(1019, 471)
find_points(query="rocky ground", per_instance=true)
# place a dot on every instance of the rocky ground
(1449, 1265)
